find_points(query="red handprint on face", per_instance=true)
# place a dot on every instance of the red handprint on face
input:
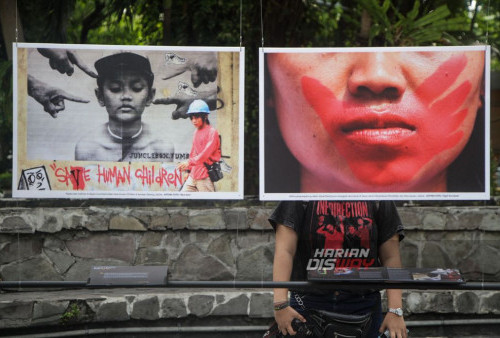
(390, 132)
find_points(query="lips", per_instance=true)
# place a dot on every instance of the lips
(374, 129)
(126, 108)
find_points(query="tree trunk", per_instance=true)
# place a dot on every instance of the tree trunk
(9, 19)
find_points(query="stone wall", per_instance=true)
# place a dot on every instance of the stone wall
(228, 242)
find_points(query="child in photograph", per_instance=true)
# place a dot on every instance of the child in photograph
(205, 150)
(125, 89)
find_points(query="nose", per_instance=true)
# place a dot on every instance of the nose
(377, 76)
(126, 94)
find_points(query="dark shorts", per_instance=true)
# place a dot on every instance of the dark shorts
(343, 302)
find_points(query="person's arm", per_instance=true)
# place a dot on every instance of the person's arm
(286, 245)
(210, 148)
(203, 67)
(390, 257)
(51, 98)
(64, 60)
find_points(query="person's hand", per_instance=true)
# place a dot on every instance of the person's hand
(284, 319)
(64, 60)
(183, 166)
(51, 98)
(203, 67)
(183, 100)
(395, 324)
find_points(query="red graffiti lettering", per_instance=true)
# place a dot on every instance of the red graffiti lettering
(169, 178)
(161, 176)
(113, 175)
(77, 176)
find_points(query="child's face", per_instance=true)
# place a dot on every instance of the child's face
(197, 120)
(125, 95)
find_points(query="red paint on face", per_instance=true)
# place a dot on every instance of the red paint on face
(389, 140)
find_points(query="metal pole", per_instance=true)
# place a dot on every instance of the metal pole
(261, 285)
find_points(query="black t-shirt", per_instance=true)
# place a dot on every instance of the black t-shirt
(350, 232)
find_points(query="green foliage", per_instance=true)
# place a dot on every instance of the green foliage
(71, 314)
(116, 22)
(5, 181)
(5, 116)
(391, 27)
(494, 165)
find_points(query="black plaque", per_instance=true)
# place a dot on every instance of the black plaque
(382, 274)
(128, 275)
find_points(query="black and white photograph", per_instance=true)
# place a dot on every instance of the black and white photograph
(129, 121)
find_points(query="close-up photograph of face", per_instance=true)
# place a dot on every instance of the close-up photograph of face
(377, 120)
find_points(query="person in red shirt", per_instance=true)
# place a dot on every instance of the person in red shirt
(205, 149)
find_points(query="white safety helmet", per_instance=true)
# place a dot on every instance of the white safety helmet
(198, 107)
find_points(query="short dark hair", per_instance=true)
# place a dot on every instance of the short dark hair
(204, 116)
(110, 65)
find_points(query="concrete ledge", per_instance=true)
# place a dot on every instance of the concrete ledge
(49, 308)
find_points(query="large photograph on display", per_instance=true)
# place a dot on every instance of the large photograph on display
(128, 122)
(374, 123)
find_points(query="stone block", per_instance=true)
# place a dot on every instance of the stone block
(20, 249)
(16, 310)
(97, 219)
(409, 253)
(434, 302)
(490, 220)
(173, 308)
(61, 260)
(104, 246)
(459, 244)
(201, 305)
(460, 219)
(221, 248)
(258, 218)
(414, 302)
(151, 256)
(251, 239)
(440, 302)
(434, 221)
(261, 305)
(13, 315)
(35, 269)
(146, 309)
(16, 224)
(193, 264)
(48, 312)
(467, 302)
(209, 219)
(50, 220)
(236, 218)
(178, 218)
(483, 257)
(54, 243)
(159, 222)
(173, 244)
(411, 218)
(433, 256)
(233, 307)
(255, 264)
(143, 215)
(126, 223)
(112, 310)
(151, 239)
(74, 218)
(491, 303)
